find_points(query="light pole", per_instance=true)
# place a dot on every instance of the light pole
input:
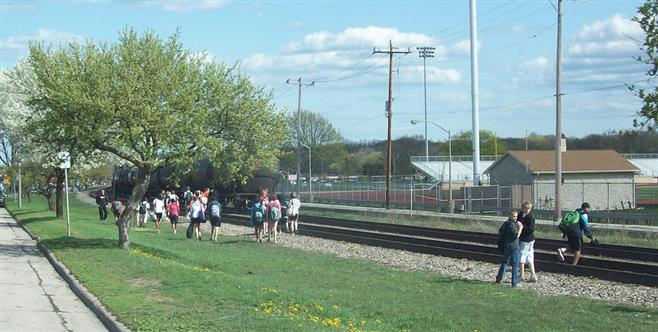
(310, 174)
(425, 52)
(414, 122)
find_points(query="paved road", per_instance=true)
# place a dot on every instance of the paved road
(33, 297)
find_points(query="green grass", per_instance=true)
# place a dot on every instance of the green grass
(169, 283)
(616, 238)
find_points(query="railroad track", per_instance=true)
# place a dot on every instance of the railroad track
(615, 263)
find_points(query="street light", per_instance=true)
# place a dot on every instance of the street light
(425, 52)
(414, 122)
(310, 181)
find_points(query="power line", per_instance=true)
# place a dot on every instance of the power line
(486, 29)
(356, 74)
(466, 21)
(344, 70)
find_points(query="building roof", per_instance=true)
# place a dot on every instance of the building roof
(573, 161)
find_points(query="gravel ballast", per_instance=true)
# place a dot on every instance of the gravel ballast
(549, 283)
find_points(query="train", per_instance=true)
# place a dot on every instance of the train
(203, 175)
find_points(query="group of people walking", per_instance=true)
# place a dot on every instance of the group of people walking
(203, 206)
(517, 239)
(269, 209)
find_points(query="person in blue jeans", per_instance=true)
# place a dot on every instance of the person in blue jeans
(509, 233)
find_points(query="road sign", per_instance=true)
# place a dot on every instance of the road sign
(7, 180)
(64, 160)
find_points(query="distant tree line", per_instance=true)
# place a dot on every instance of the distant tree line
(369, 157)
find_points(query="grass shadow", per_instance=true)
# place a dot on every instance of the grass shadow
(443, 280)
(26, 211)
(628, 309)
(64, 242)
(38, 219)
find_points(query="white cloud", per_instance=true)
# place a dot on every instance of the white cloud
(414, 74)
(18, 44)
(187, 5)
(615, 27)
(613, 37)
(602, 52)
(540, 63)
(358, 38)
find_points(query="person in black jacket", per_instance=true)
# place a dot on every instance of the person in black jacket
(101, 202)
(527, 241)
(509, 240)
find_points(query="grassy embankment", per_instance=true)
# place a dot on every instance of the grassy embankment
(618, 237)
(169, 283)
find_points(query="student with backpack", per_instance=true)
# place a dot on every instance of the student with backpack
(116, 209)
(215, 213)
(572, 225)
(174, 213)
(187, 200)
(258, 216)
(284, 211)
(143, 212)
(273, 216)
(508, 243)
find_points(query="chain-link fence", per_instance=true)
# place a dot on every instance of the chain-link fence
(407, 192)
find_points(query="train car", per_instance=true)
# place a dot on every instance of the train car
(203, 175)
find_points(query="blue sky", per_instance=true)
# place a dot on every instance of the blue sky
(331, 42)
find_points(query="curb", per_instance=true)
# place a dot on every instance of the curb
(108, 320)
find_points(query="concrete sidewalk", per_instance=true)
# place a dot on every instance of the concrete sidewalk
(33, 297)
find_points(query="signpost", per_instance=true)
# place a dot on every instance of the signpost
(65, 164)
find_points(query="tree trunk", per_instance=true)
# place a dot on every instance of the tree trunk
(59, 193)
(49, 199)
(141, 186)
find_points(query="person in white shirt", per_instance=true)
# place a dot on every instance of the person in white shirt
(159, 209)
(293, 214)
(197, 216)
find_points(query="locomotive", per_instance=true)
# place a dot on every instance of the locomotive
(203, 175)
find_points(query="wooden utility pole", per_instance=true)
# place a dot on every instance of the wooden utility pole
(389, 115)
(299, 84)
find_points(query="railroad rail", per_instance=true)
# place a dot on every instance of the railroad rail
(607, 262)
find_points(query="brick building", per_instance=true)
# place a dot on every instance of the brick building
(603, 178)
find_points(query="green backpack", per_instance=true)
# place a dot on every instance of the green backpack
(569, 225)
(570, 218)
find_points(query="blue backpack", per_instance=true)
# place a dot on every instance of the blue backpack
(259, 212)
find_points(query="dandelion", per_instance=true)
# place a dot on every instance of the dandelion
(318, 307)
(377, 321)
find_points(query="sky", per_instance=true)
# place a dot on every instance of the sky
(331, 43)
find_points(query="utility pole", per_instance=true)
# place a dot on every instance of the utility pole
(425, 52)
(389, 115)
(558, 115)
(299, 84)
(475, 99)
